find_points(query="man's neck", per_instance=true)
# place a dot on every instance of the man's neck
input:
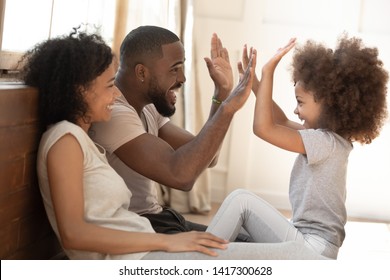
(132, 93)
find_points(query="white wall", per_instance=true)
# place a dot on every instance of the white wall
(247, 161)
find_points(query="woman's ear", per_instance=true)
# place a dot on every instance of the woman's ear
(85, 89)
(81, 90)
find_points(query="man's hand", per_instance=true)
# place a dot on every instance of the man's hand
(244, 64)
(242, 91)
(219, 68)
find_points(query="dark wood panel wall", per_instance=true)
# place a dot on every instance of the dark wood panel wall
(25, 232)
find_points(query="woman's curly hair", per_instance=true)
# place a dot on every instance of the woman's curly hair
(351, 84)
(62, 69)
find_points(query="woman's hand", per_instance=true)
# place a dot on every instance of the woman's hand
(194, 241)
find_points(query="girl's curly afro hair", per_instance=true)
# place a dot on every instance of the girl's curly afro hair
(351, 84)
(61, 69)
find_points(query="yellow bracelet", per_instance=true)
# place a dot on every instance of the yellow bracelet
(215, 100)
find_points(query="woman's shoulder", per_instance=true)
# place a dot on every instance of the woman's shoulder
(60, 129)
(64, 127)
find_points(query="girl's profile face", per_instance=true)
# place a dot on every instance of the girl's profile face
(308, 110)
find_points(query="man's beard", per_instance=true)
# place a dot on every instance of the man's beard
(157, 96)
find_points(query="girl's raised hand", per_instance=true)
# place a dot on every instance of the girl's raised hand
(273, 62)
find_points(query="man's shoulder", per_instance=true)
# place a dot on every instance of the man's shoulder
(121, 106)
(123, 126)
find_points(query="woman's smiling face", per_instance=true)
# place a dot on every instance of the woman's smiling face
(101, 95)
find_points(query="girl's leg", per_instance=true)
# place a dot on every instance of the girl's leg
(246, 251)
(260, 219)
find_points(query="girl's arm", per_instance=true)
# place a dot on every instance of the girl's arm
(278, 114)
(267, 122)
(65, 171)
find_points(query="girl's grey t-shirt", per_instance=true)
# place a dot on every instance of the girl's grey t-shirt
(318, 185)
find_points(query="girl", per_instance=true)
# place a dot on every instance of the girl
(341, 99)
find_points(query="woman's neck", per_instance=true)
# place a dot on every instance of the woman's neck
(83, 124)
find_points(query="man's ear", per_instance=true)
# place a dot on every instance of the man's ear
(141, 72)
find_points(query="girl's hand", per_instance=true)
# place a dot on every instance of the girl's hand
(273, 62)
(195, 241)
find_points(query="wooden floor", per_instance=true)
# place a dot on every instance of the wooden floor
(365, 239)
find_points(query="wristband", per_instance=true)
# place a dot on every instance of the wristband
(215, 100)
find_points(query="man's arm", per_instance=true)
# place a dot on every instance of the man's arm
(221, 73)
(178, 168)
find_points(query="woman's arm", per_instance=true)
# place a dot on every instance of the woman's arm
(65, 171)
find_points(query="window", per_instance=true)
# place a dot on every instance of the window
(25, 23)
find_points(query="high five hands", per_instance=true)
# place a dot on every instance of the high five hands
(270, 65)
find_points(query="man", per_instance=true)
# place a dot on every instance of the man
(142, 144)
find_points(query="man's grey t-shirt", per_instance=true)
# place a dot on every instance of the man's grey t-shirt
(124, 126)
